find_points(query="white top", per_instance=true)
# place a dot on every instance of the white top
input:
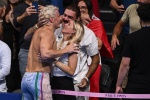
(89, 47)
(5, 62)
(64, 59)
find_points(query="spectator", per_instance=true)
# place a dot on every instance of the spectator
(118, 38)
(11, 38)
(5, 62)
(95, 24)
(137, 58)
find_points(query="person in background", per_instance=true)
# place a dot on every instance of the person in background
(119, 6)
(96, 26)
(136, 55)
(5, 60)
(11, 38)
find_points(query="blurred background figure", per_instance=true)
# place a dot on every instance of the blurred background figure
(5, 60)
(11, 38)
(136, 55)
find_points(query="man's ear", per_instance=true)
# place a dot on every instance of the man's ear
(51, 19)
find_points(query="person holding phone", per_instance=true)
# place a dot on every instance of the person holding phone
(25, 17)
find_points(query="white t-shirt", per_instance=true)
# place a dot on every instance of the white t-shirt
(88, 47)
(5, 62)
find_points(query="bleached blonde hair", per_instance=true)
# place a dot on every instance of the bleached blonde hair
(48, 12)
(78, 35)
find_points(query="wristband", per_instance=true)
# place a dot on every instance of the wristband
(86, 79)
(36, 26)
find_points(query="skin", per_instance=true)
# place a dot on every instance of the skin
(119, 8)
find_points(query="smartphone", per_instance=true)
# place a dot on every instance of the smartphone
(35, 3)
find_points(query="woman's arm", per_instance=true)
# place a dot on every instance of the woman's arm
(72, 63)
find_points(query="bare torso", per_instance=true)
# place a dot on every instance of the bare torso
(34, 64)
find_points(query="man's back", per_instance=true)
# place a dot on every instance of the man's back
(34, 64)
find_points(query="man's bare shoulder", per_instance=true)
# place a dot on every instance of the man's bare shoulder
(45, 31)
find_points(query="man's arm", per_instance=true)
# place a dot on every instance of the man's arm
(122, 73)
(114, 5)
(47, 43)
(116, 32)
(92, 69)
(30, 10)
(93, 66)
(31, 30)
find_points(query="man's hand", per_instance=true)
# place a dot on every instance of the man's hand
(114, 42)
(72, 47)
(120, 9)
(83, 84)
(119, 89)
(50, 60)
(42, 21)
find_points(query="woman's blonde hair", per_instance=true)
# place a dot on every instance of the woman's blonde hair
(48, 11)
(79, 32)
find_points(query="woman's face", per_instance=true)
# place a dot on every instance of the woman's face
(14, 1)
(83, 7)
(68, 28)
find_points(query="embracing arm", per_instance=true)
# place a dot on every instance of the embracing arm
(122, 73)
(47, 43)
(72, 63)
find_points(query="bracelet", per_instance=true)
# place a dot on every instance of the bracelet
(86, 79)
(35, 27)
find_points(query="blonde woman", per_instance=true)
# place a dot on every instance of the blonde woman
(65, 65)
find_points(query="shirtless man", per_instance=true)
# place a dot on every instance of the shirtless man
(35, 83)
